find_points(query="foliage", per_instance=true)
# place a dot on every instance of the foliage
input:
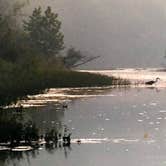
(14, 128)
(28, 64)
(75, 58)
(8, 42)
(44, 32)
(17, 82)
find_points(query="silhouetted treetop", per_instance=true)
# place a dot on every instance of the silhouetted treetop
(44, 31)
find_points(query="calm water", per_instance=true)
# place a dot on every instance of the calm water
(115, 126)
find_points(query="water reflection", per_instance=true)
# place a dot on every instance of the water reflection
(15, 159)
(113, 127)
(14, 128)
(30, 131)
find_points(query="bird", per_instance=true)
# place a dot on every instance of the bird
(152, 81)
(78, 141)
(65, 105)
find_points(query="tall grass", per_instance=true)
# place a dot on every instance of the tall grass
(17, 82)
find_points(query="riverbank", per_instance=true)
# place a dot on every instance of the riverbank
(32, 60)
(122, 120)
(17, 84)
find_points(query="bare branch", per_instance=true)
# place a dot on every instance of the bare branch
(86, 61)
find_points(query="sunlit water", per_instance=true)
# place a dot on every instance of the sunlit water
(125, 126)
(137, 76)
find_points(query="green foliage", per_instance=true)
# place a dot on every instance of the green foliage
(8, 46)
(31, 77)
(44, 32)
(13, 43)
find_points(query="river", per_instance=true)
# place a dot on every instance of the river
(114, 126)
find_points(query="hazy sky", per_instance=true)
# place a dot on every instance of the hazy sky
(125, 33)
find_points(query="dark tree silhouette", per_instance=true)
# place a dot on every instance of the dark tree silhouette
(44, 32)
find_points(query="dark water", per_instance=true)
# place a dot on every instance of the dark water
(116, 127)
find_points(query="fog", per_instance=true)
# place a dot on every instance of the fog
(125, 33)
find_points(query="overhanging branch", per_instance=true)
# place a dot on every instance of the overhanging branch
(86, 61)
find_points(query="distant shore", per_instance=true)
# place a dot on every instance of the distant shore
(135, 75)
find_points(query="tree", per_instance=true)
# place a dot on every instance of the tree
(13, 41)
(12, 8)
(44, 32)
(75, 58)
(7, 40)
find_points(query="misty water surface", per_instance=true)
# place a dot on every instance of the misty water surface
(116, 127)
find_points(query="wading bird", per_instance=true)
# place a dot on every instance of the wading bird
(152, 82)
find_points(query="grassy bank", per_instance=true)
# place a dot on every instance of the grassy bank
(17, 82)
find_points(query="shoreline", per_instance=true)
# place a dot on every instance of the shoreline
(56, 79)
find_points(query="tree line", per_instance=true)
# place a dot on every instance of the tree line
(40, 35)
